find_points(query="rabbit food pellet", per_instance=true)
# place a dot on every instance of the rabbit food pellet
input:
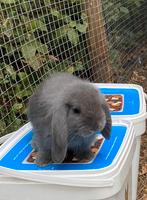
(94, 149)
(115, 102)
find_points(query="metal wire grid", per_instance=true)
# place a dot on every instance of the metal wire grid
(97, 40)
(41, 37)
(37, 39)
(29, 51)
(126, 36)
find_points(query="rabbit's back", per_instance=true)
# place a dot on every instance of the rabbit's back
(49, 94)
(57, 84)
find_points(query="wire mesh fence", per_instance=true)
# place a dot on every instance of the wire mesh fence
(37, 38)
(99, 40)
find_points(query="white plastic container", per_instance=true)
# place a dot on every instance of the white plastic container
(109, 180)
(16, 189)
(101, 180)
(134, 110)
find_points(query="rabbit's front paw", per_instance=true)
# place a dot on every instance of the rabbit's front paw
(43, 159)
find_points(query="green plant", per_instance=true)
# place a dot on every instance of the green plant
(39, 37)
(125, 27)
(36, 38)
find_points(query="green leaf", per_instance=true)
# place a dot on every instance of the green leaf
(20, 94)
(26, 6)
(18, 123)
(8, 1)
(42, 26)
(73, 36)
(71, 69)
(83, 16)
(24, 110)
(72, 24)
(2, 126)
(55, 13)
(22, 75)
(42, 48)
(79, 66)
(18, 31)
(8, 27)
(137, 3)
(61, 32)
(24, 19)
(10, 69)
(47, 2)
(62, 66)
(17, 107)
(81, 27)
(114, 55)
(9, 48)
(5, 81)
(124, 10)
(28, 50)
(8, 23)
(1, 76)
(24, 78)
(66, 18)
(34, 62)
(36, 24)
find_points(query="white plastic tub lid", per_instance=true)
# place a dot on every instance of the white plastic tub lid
(124, 99)
(15, 152)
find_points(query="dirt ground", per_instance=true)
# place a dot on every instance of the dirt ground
(140, 77)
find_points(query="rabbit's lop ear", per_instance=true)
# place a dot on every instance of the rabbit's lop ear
(107, 129)
(59, 135)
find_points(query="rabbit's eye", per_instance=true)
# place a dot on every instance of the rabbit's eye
(76, 110)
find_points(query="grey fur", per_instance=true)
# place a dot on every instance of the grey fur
(65, 112)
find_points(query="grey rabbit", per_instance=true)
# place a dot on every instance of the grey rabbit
(65, 113)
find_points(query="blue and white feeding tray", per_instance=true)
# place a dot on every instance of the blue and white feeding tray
(133, 103)
(110, 171)
(15, 151)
